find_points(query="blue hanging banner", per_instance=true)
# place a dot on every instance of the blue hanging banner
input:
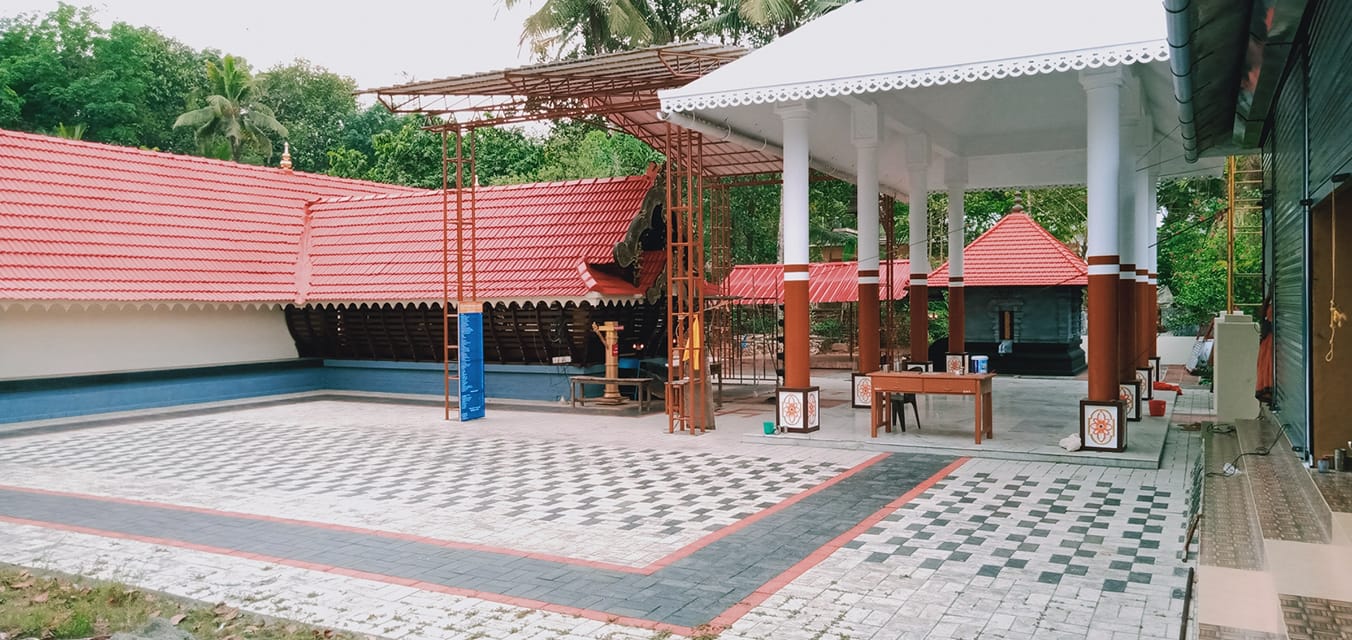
(471, 341)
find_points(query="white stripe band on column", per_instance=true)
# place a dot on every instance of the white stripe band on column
(794, 276)
(868, 279)
(1142, 279)
(919, 281)
(955, 285)
(1104, 270)
(1126, 275)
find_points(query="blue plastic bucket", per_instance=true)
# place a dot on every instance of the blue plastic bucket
(980, 364)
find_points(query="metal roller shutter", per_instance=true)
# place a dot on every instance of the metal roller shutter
(1289, 244)
(1330, 49)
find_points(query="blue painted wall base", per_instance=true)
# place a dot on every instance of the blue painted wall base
(63, 397)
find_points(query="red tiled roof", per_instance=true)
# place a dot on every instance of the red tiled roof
(535, 241)
(86, 221)
(827, 282)
(1017, 252)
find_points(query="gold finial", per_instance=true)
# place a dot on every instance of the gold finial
(286, 157)
(1018, 204)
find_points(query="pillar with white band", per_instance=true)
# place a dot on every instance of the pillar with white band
(796, 368)
(867, 129)
(1145, 320)
(1101, 414)
(1126, 238)
(955, 175)
(917, 163)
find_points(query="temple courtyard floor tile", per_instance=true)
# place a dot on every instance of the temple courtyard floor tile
(385, 520)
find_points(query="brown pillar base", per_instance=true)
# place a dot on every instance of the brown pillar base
(918, 293)
(798, 409)
(869, 332)
(957, 316)
(1103, 425)
(1130, 394)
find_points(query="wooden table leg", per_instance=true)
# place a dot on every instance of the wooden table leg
(990, 415)
(979, 414)
(874, 412)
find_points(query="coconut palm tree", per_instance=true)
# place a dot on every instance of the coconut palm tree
(759, 21)
(562, 29)
(233, 112)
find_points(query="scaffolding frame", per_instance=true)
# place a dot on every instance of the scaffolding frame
(458, 245)
(1243, 219)
(620, 89)
(687, 359)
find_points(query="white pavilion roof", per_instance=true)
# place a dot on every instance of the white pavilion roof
(992, 82)
(879, 45)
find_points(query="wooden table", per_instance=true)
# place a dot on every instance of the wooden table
(576, 392)
(977, 385)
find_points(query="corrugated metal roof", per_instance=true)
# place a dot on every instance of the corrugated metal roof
(82, 221)
(1017, 252)
(827, 282)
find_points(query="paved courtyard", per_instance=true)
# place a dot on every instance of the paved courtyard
(382, 519)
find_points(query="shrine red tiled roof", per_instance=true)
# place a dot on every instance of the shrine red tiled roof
(86, 221)
(534, 242)
(827, 282)
(81, 221)
(1017, 252)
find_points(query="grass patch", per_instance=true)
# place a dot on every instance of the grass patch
(57, 607)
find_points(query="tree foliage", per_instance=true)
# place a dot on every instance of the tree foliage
(314, 104)
(234, 112)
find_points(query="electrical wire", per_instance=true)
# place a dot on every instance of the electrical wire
(1230, 469)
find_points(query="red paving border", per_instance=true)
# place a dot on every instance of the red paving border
(648, 569)
(723, 620)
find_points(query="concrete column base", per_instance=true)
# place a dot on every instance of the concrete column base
(861, 396)
(798, 409)
(1145, 377)
(1103, 425)
(1130, 394)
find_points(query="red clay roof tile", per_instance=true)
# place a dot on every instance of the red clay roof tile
(1017, 252)
(827, 282)
(85, 221)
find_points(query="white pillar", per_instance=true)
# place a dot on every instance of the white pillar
(1103, 158)
(867, 134)
(917, 162)
(955, 177)
(797, 374)
(795, 179)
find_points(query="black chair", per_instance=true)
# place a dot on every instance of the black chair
(899, 402)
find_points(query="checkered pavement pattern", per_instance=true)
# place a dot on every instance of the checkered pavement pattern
(1004, 550)
(661, 494)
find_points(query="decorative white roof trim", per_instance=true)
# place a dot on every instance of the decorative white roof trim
(1116, 55)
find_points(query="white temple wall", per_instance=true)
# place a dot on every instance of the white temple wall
(39, 342)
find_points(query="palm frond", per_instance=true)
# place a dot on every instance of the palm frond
(196, 118)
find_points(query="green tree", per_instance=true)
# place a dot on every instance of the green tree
(576, 151)
(562, 29)
(233, 112)
(409, 155)
(757, 22)
(315, 105)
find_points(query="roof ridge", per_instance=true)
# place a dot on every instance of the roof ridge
(92, 147)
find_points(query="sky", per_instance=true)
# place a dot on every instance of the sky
(377, 44)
